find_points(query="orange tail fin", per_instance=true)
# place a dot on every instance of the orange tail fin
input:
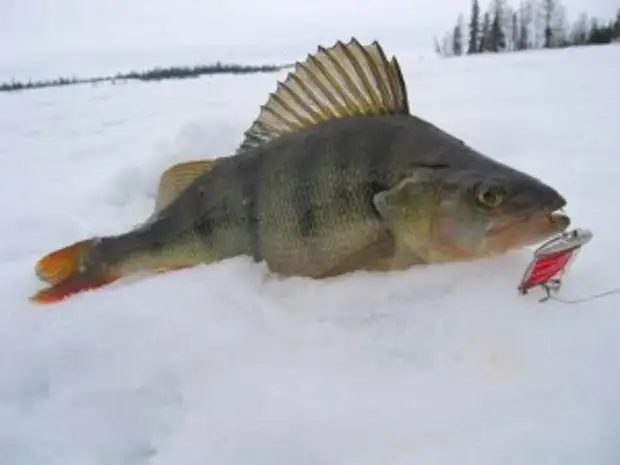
(64, 269)
(60, 264)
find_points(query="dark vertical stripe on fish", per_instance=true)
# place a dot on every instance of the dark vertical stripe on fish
(204, 225)
(378, 169)
(250, 172)
(303, 193)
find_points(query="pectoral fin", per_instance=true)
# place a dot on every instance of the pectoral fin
(407, 210)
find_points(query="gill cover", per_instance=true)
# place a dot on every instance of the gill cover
(440, 216)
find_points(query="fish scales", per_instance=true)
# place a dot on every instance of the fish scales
(321, 197)
(303, 202)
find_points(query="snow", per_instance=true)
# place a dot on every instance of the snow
(227, 364)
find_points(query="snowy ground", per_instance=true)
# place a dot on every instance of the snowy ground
(224, 364)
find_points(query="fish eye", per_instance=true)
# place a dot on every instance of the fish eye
(490, 196)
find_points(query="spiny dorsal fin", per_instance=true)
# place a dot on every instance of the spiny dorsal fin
(344, 80)
(177, 178)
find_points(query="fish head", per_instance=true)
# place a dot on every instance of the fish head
(482, 214)
(450, 214)
(522, 211)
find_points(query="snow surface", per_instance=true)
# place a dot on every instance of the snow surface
(225, 364)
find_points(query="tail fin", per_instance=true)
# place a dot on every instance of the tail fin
(60, 264)
(67, 272)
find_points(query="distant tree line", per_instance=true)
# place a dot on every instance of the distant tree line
(155, 74)
(534, 24)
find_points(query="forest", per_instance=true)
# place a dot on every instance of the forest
(533, 24)
(154, 74)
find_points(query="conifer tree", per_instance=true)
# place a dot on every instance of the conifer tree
(474, 28)
(497, 37)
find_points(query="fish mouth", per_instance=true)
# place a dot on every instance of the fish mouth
(558, 217)
(549, 223)
(544, 219)
(551, 216)
(554, 214)
(527, 229)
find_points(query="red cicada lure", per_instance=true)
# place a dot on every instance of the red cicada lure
(551, 260)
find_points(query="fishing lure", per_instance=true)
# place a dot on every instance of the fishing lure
(550, 262)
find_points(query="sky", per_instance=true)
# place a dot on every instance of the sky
(227, 30)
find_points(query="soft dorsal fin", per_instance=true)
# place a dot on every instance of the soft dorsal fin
(177, 178)
(344, 80)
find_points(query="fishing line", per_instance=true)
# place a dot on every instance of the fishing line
(585, 299)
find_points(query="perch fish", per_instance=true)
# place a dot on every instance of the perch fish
(335, 175)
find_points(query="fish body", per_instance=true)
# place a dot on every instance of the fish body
(335, 175)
